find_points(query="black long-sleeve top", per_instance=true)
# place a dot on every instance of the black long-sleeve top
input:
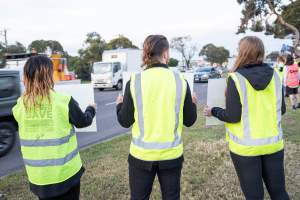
(259, 76)
(80, 120)
(125, 114)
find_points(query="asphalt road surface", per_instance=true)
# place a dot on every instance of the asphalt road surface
(107, 124)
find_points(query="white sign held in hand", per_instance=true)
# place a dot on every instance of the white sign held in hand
(84, 95)
(215, 98)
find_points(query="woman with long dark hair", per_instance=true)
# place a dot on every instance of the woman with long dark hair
(254, 105)
(157, 103)
(47, 137)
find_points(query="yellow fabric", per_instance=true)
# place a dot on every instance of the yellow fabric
(158, 96)
(281, 73)
(262, 120)
(50, 121)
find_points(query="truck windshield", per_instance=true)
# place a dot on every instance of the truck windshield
(102, 68)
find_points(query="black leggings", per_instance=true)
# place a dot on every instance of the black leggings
(252, 171)
(72, 194)
(141, 182)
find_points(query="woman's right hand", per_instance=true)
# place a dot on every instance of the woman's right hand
(207, 111)
(94, 105)
(194, 98)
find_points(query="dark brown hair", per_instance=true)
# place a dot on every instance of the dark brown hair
(38, 80)
(251, 51)
(289, 60)
(153, 48)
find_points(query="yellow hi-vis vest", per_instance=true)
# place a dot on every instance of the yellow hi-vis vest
(281, 73)
(259, 132)
(158, 95)
(48, 141)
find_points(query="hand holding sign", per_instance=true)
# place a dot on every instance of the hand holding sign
(215, 98)
(119, 99)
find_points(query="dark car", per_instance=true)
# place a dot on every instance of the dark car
(9, 93)
(202, 74)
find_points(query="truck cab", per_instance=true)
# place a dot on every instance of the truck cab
(10, 91)
(109, 72)
(107, 75)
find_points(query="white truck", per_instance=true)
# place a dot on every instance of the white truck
(108, 73)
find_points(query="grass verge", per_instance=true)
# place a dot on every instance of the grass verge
(207, 174)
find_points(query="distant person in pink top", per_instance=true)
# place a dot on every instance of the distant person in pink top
(291, 81)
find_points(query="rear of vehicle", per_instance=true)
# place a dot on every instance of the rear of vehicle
(9, 93)
(204, 73)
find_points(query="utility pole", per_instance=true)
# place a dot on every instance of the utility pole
(4, 34)
(5, 37)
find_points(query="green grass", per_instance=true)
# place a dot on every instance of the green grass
(207, 174)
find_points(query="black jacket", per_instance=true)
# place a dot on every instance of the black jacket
(259, 76)
(125, 113)
(80, 120)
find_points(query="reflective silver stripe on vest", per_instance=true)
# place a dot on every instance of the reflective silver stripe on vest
(47, 142)
(247, 140)
(51, 162)
(139, 102)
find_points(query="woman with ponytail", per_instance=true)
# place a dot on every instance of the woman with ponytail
(157, 103)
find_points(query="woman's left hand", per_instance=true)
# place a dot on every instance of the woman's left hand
(119, 99)
(207, 111)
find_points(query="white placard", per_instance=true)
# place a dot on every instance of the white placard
(84, 95)
(215, 98)
(188, 76)
(126, 77)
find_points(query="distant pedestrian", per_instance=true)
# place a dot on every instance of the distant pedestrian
(280, 65)
(47, 137)
(157, 103)
(291, 80)
(254, 105)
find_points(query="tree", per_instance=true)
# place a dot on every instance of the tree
(173, 62)
(15, 48)
(55, 46)
(41, 46)
(184, 46)
(73, 62)
(120, 42)
(290, 14)
(94, 46)
(259, 11)
(215, 54)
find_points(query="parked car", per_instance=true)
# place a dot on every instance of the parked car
(10, 91)
(202, 74)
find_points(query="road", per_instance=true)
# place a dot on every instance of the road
(107, 124)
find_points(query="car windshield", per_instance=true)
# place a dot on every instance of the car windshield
(204, 69)
(101, 68)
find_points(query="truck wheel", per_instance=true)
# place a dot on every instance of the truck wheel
(101, 89)
(119, 85)
(7, 137)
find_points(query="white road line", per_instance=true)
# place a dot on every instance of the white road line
(112, 103)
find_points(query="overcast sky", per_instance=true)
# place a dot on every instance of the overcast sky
(68, 21)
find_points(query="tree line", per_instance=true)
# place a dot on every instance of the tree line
(255, 17)
(94, 45)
